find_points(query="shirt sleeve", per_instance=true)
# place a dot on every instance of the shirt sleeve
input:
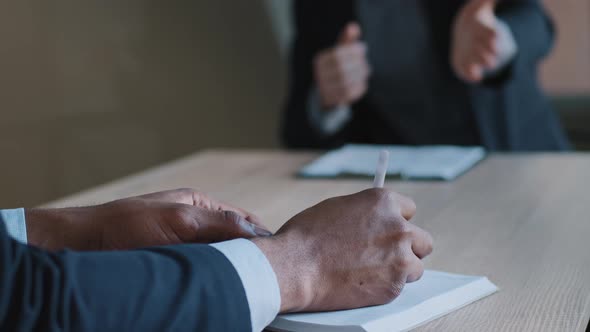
(326, 123)
(14, 220)
(258, 279)
(507, 48)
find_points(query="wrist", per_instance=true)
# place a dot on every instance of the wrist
(293, 272)
(55, 229)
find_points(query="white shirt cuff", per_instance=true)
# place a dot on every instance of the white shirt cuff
(330, 122)
(14, 220)
(258, 278)
(506, 46)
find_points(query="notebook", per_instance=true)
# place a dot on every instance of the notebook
(434, 295)
(442, 162)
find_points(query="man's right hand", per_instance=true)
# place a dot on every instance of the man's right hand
(347, 252)
(342, 72)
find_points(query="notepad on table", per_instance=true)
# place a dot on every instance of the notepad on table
(422, 162)
(434, 295)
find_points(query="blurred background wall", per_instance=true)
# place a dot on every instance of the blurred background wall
(93, 90)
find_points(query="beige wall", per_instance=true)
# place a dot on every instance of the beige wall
(567, 71)
(92, 90)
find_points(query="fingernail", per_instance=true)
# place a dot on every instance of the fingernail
(254, 229)
(261, 231)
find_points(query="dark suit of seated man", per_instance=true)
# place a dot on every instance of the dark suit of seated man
(232, 285)
(418, 72)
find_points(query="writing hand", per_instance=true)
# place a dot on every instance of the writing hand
(474, 41)
(347, 252)
(342, 72)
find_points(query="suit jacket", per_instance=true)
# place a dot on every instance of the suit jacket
(180, 288)
(414, 97)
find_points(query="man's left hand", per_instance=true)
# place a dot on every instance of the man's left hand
(162, 218)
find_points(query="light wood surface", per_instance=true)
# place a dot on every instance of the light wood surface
(521, 220)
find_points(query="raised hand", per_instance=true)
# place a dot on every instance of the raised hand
(342, 72)
(474, 40)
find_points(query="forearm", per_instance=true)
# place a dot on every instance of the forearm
(191, 287)
(55, 229)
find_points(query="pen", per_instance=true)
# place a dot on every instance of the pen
(381, 170)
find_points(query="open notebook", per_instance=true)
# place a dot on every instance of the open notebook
(434, 295)
(422, 162)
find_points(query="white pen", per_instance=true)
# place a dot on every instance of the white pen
(381, 170)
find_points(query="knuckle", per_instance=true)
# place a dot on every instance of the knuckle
(417, 274)
(403, 262)
(231, 217)
(392, 292)
(186, 191)
(181, 212)
(403, 227)
(382, 199)
(429, 244)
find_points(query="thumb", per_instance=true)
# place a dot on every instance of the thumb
(350, 34)
(215, 226)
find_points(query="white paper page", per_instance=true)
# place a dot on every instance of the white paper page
(433, 284)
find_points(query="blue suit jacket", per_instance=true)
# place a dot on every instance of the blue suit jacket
(176, 288)
(414, 97)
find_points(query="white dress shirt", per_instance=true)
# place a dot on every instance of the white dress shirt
(329, 122)
(257, 276)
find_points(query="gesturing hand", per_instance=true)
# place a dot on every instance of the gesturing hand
(347, 252)
(168, 217)
(341, 73)
(474, 40)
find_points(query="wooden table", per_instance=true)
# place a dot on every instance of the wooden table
(521, 220)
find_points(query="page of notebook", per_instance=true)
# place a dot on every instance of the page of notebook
(435, 294)
(436, 162)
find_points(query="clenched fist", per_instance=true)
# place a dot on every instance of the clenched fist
(342, 72)
(474, 41)
(347, 252)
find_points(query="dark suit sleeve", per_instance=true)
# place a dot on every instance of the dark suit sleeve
(530, 25)
(181, 288)
(296, 129)
(533, 33)
(317, 27)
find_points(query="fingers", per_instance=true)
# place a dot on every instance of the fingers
(181, 196)
(415, 270)
(418, 247)
(407, 207)
(421, 240)
(211, 204)
(216, 226)
(336, 63)
(390, 201)
(232, 222)
(342, 74)
(192, 197)
(215, 205)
